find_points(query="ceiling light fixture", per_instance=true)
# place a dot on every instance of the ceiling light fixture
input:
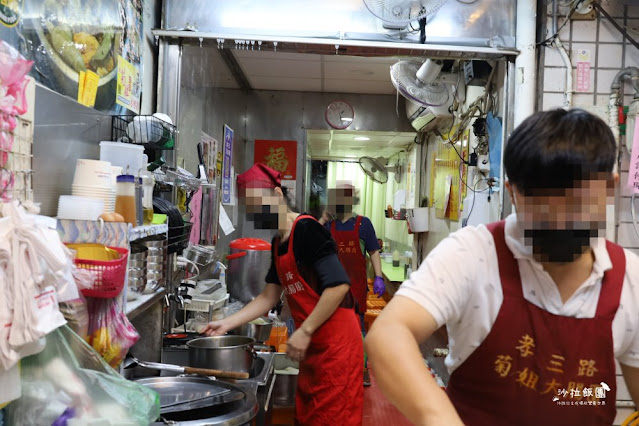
(361, 138)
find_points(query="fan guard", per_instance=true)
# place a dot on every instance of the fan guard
(404, 77)
(374, 169)
(401, 12)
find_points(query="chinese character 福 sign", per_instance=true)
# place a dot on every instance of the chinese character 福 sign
(278, 155)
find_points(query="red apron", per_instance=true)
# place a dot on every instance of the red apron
(354, 261)
(536, 368)
(329, 386)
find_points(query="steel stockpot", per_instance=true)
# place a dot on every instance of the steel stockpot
(229, 353)
(248, 264)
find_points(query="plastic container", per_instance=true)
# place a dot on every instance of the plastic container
(125, 155)
(125, 198)
(92, 173)
(79, 208)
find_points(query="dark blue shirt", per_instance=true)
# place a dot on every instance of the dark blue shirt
(367, 237)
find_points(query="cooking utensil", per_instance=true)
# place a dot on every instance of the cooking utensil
(248, 264)
(191, 393)
(132, 361)
(233, 353)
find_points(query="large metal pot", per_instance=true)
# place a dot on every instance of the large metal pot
(229, 353)
(248, 264)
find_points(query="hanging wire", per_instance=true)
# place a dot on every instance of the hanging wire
(550, 40)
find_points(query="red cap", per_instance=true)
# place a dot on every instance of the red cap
(259, 176)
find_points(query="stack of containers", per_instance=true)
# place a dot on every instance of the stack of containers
(156, 260)
(79, 208)
(137, 267)
(94, 179)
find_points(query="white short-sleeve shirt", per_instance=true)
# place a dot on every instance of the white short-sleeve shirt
(458, 283)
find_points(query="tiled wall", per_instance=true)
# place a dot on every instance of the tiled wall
(608, 53)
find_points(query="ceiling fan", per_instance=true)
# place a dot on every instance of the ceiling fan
(397, 14)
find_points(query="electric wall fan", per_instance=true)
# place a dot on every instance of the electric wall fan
(376, 169)
(429, 91)
(397, 14)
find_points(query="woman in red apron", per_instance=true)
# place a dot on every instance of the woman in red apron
(327, 341)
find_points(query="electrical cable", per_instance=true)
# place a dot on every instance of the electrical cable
(472, 206)
(550, 40)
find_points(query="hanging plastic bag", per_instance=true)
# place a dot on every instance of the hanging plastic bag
(110, 332)
(69, 384)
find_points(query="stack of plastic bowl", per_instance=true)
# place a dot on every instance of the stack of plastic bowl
(137, 267)
(79, 208)
(156, 260)
(94, 179)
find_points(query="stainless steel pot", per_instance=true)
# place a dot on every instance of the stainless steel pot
(230, 353)
(248, 263)
(260, 332)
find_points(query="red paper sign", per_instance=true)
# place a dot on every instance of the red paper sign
(278, 155)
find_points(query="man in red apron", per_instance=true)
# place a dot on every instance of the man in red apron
(354, 235)
(537, 307)
(327, 342)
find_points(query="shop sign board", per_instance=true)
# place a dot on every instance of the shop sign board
(226, 167)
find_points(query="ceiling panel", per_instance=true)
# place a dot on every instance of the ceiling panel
(358, 86)
(343, 145)
(280, 68)
(286, 83)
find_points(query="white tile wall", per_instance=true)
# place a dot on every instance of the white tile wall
(608, 33)
(608, 54)
(604, 79)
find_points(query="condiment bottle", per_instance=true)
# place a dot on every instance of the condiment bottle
(125, 198)
(396, 258)
(148, 182)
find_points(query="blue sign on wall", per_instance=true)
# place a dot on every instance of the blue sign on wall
(226, 167)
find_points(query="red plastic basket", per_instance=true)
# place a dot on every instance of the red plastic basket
(109, 275)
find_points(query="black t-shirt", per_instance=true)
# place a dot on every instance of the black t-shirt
(316, 257)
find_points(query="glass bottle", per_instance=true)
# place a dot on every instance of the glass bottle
(125, 198)
(148, 182)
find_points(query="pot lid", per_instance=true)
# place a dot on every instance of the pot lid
(250, 244)
(190, 393)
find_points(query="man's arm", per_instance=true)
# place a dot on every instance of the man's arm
(408, 383)
(631, 377)
(376, 261)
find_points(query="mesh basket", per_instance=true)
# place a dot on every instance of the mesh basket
(108, 274)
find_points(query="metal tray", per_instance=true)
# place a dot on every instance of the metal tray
(191, 393)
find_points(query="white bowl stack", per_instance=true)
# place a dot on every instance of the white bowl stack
(94, 179)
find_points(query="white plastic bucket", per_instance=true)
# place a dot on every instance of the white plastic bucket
(418, 219)
(125, 155)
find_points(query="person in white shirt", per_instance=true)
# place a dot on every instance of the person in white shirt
(537, 307)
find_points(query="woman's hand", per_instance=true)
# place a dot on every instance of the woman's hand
(297, 345)
(215, 328)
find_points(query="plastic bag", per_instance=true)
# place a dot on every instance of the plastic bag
(75, 311)
(69, 384)
(110, 332)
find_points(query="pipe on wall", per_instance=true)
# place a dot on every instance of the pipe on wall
(525, 64)
(568, 91)
(616, 97)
